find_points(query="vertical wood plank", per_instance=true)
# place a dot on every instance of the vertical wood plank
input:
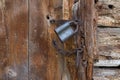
(56, 62)
(69, 44)
(38, 40)
(66, 10)
(3, 47)
(95, 21)
(44, 62)
(16, 20)
(86, 15)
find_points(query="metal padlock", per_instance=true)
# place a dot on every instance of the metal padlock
(66, 30)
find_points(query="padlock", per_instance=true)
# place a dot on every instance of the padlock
(66, 30)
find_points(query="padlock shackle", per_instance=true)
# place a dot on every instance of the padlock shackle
(76, 30)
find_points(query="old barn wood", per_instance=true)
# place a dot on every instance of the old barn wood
(106, 74)
(108, 31)
(109, 43)
(109, 13)
(26, 35)
(108, 40)
(14, 40)
(88, 27)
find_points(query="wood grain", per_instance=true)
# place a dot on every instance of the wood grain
(44, 63)
(26, 36)
(16, 20)
(86, 15)
(109, 13)
(108, 43)
(107, 63)
(70, 44)
(3, 46)
(38, 40)
(106, 74)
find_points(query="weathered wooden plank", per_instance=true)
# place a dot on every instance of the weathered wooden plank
(56, 62)
(107, 63)
(86, 15)
(16, 20)
(109, 13)
(3, 46)
(38, 41)
(67, 9)
(44, 63)
(70, 44)
(109, 43)
(106, 74)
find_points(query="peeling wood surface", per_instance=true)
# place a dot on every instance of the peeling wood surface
(109, 13)
(109, 43)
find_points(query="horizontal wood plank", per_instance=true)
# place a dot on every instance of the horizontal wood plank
(109, 13)
(106, 74)
(109, 43)
(107, 63)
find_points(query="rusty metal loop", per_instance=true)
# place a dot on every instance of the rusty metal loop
(65, 52)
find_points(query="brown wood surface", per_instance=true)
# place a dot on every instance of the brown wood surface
(3, 46)
(16, 22)
(44, 62)
(26, 35)
(87, 17)
(70, 61)
(38, 40)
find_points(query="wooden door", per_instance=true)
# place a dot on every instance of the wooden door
(26, 36)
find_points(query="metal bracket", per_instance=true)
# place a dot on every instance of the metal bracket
(61, 21)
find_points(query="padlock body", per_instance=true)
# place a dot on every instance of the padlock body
(64, 31)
